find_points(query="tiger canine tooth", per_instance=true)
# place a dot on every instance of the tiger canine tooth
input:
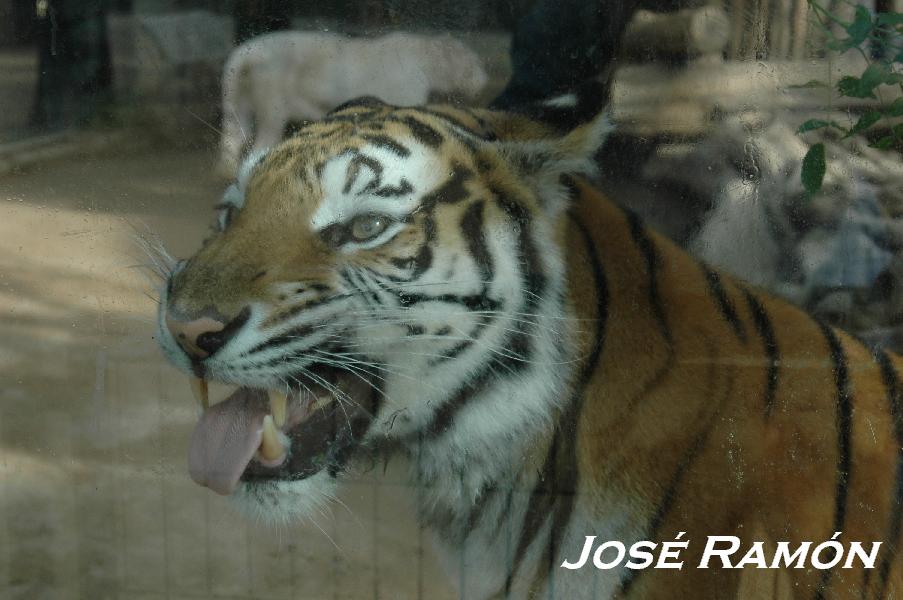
(270, 447)
(199, 391)
(278, 401)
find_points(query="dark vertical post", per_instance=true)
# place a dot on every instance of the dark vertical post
(74, 61)
(255, 17)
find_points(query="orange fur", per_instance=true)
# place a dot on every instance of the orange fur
(753, 475)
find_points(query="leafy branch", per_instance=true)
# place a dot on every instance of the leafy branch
(883, 33)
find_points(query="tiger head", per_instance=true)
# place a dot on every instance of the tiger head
(364, 278)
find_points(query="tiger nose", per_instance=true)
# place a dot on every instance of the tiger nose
(198, 338)
(202, 337)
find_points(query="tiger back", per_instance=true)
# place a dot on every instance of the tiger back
(736, 414)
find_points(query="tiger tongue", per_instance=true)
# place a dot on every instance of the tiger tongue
(225, 440)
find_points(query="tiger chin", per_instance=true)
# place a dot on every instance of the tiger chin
(445, 283)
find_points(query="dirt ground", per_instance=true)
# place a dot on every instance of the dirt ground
(95, 498)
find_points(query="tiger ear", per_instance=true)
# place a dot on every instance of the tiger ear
(542, 162)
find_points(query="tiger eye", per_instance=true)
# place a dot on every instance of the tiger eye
(365, 227)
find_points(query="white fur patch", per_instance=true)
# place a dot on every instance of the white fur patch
(563, 101)
(282, 503)
(421, 170)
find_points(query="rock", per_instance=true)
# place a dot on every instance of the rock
(838, 253)
(848, 256)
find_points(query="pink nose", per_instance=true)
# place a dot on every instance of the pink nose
(198, 338)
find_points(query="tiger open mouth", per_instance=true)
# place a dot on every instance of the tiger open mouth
(258, 435)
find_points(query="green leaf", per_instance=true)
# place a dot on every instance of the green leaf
(852, 87)
(864, 122)
(895, 109)
(863, 87)
(891, 19)
(862, 21)
(813, 172)
(858, 31)
(813, 124)
(884, 143)
(876, 74)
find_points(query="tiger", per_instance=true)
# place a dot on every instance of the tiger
(450, 285)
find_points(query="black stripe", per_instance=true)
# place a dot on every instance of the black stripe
(724, 302)
(570, 184)
(361, 102)
(844, 419)
(287, 337)
(364, 287)
(295, 310)
(466, 141)
(766, 332)
(354, 168)
(422, 132)
(453, 121)
(386, 142)
(403, 188)
(650, 256)
(485, 126)
(444, 416)
(472, 230)
(473, 302)
(559, 471)
(212, 341)
(569, 422)
(421, 261)
(517, 346)
(454, 189)
(542, 501)
(418, 264)
(666, 503)
(473, 336)
(354, 118)
(343, 447)
(534, 279)
(484, 498)
(895, 407)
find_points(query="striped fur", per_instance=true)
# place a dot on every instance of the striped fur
(552, 368)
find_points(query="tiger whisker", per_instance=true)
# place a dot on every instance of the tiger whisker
(377, 320)
(513, 356)
(354, 371)
(338, 394)
(384, 369)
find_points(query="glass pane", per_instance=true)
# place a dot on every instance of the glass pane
(253, 345)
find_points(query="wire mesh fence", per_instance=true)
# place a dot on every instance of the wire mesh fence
(100, 506)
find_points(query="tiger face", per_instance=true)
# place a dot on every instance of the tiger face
(365, 279)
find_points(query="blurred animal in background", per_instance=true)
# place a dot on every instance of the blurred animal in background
(287, 76)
